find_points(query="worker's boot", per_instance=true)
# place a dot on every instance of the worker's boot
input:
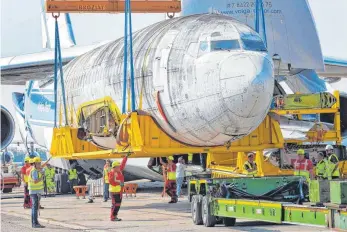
(37, 226)
(173, 200)
(116, 219)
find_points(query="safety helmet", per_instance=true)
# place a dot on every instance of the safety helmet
(31, 161)
(329, 147)
(115, 163)
(27, 159)
(170, 158)
(37, 159)
(301, 152)
(250, 154)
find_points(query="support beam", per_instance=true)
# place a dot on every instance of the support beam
(112, 6)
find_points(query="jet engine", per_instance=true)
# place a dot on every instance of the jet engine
(7, 128)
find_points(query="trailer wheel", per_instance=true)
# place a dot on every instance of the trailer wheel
(219, 220)
(7, 190)
(208, 219)
(229, 221)
(196, 209)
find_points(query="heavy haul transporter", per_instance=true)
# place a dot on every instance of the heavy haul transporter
(226, 193)
(273, 194)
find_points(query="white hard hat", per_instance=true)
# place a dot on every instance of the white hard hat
(329, 147)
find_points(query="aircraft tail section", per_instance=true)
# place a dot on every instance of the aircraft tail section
(67, 38)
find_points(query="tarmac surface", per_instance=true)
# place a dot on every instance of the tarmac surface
(148, 211)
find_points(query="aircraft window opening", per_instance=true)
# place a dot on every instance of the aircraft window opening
(100, 123)
(225, 45)
(253, 43)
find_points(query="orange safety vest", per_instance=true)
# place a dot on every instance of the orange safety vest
(28, 170)
(301, 169)
(115, 187)
(24, 172)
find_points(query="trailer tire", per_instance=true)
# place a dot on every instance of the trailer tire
(196, 209)
(208, 219)
(7, 190)
(219, 220)
(229, 221)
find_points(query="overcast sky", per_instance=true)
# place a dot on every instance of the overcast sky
(21, 26)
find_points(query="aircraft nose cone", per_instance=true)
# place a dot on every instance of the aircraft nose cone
(247, 85)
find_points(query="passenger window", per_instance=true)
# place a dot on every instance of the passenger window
(225, 45)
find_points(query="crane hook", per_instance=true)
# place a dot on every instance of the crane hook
(170, 16)
(56, 16)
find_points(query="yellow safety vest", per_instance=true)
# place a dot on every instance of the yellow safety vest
(35, 186)
(114, 189)
(190, 157)
(170, 175)
(333, 155)
(72, 174)
(247, 164)
(322, 168)
(106, 171)
(335, 172)
(26, 178)
(49, 172)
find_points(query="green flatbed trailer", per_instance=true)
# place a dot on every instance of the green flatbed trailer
(209, 210)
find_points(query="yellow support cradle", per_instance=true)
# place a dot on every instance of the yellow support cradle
(140, 135)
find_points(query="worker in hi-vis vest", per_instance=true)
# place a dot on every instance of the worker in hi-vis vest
(72, 178)
(35, 182)
(116, 185)
(171, 178)
(23, 171)
(107, 169)
(302, 166)
(49, 177)
(190, 158)
(250, 167)
(322, 167)
(333, 162)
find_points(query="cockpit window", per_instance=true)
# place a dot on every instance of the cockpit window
(225, 45)
(253, 42)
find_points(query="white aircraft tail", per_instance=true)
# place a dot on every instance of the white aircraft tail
(67, 38)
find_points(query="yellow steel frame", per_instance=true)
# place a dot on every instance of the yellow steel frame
(140, 135)
(102, 102)
(332, 135)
